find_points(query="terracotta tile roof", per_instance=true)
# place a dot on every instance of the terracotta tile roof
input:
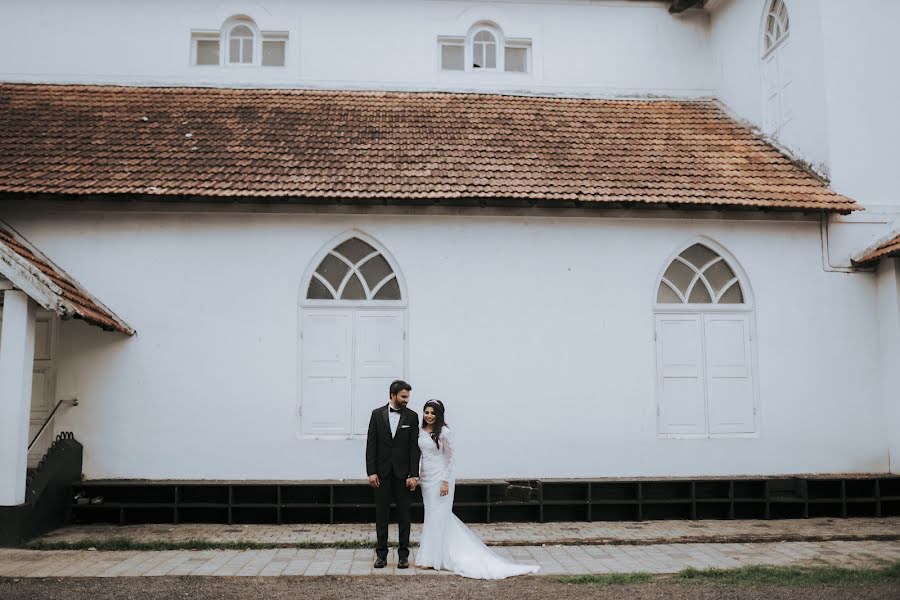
(250, 143)
(887, 249)
(73, 300)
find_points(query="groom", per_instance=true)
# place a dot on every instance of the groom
(392, 463)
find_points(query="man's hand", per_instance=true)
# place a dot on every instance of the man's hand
(411, 483)
(374, 481)
(445, 488)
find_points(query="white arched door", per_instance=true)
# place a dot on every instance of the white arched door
(705, 371)
(353, 338)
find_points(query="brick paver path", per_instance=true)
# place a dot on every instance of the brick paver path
(559, 548)
(514, 534)
(553, 560)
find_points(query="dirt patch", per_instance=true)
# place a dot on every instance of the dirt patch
(413, 588)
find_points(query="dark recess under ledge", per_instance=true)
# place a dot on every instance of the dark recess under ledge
(489, 501)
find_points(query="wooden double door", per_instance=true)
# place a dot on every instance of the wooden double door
(349, 358)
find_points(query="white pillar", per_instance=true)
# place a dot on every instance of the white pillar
(16, 365)
(889, 351)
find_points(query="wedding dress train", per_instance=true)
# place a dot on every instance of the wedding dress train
(446, 541)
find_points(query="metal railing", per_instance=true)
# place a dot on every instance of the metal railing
(73, 401)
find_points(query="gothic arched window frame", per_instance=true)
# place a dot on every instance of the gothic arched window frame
(358, 266)
(777, 26)
(776, 66)
(348, 349)
(703, 348)
(709, 273)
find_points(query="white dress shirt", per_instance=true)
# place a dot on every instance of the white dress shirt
(394, 419)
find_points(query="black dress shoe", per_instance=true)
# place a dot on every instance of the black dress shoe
(380, 563)
(403, 563)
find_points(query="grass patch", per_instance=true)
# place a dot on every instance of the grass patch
(607, 579)
(792, 576)
(123, 543)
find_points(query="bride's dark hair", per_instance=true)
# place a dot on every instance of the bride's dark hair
(439, 422)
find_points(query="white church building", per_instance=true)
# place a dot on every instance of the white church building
(619, 239)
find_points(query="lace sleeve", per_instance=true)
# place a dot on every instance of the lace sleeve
(448, 452)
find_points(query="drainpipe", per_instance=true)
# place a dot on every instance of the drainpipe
(827, 266)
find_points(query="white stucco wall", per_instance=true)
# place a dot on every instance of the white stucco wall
(862, 52)
(609, 47)
(736, 41)
(843, 62)
(208, 388)
(537, 332)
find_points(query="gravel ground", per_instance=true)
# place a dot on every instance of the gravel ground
(402, 587)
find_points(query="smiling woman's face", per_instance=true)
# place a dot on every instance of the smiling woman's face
(429, 415)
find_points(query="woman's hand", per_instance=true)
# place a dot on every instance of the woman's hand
(445, 488)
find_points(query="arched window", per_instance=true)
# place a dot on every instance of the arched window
(243, 43)
(776, 66)
(777, 24)
(484, 50)
(352, 336)
(354, 270)
(699, 276)
(240, 45)
(704, 320)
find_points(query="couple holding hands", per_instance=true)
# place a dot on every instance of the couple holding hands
(402, 454)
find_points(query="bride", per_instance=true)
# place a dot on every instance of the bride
(446, 542)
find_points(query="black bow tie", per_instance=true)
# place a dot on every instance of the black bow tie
(397, 411)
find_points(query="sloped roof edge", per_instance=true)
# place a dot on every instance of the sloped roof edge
(32, 272)
(886, 247)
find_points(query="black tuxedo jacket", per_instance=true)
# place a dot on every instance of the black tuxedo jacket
(397, 455)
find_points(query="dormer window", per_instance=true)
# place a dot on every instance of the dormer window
(273, 49)
(453, 54)
(240, 45)
(484, 49)
(516, 58)
(244, 43)
(206, 48)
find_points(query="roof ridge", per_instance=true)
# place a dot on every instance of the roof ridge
(375, 93)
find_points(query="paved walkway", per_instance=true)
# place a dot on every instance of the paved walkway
(558, 548)
(512, 534)
(553, 560)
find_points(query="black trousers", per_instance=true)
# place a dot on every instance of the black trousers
(392, 489)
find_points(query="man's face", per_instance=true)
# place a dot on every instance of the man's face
(400, 400)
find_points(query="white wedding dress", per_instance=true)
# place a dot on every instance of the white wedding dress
(446, 541)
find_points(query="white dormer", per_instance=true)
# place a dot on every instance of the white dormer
(243, 43)
(484, 48)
